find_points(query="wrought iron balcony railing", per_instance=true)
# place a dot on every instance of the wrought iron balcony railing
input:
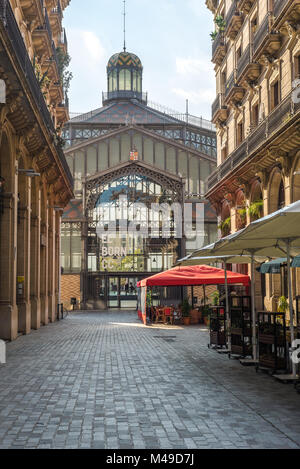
(216, 106)
(8, 22)
(281, 114)
(279, 6)
(232, 11)
(219, 41)
(244, 61)
(230, 84)
(47, 24)
(261, 34)
(219, 105)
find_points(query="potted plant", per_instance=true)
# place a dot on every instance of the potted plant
(221, 23)
(225, 226)
(255, 209)
(283, 305)
(186, 312)
(216, 298)
(206, 315)
(213, 35)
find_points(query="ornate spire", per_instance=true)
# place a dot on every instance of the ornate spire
(124, 14)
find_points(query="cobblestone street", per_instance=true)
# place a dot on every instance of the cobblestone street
(106, 381)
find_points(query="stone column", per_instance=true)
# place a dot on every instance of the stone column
(23, 255)
(44, 266)
(35, 272)
(8, 263)
(57, 259)
(51, 267)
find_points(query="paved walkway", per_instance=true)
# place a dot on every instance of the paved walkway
(106, 381)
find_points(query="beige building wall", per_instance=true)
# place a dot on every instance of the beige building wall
(259, 119)
(35, 182)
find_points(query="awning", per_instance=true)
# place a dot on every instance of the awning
(194, 276)
(296, 262)
(272, 267)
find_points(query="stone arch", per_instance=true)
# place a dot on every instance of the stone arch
(296, 179)
(256, 191)
(256, 195)
(276, 191)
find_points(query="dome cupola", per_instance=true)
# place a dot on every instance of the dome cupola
(124, 78)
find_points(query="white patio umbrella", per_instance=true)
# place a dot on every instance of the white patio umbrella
(227, 259)
(271, 236)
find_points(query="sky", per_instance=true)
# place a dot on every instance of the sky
(171, 37)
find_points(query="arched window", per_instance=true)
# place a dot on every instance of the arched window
(139, 82)
(114, 81)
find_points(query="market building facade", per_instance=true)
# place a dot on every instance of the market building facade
(127, 154)
(35, 180)
(256, 51)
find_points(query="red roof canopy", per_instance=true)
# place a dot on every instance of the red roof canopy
(194, 275)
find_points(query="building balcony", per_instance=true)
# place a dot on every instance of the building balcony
(219, 110)
(62, 112)
(245, 5)
(55, 17)
(266, 41)
(42, 37)
(234, 20)
(218, 49)
(51, 66)
(286, 10)
(33, 9)
(212, 5)
(36, 105)
(247, 69)
(233, 92)
(63, 41)
(258, 137)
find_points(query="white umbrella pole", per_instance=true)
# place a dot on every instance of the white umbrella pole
(254, 332)
(291, 302)
(228, 318)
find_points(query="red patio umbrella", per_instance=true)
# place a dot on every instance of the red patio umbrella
(195, 275)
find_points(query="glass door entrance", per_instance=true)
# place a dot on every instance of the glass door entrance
(113, 292)
(122, 292)
(128, 292)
